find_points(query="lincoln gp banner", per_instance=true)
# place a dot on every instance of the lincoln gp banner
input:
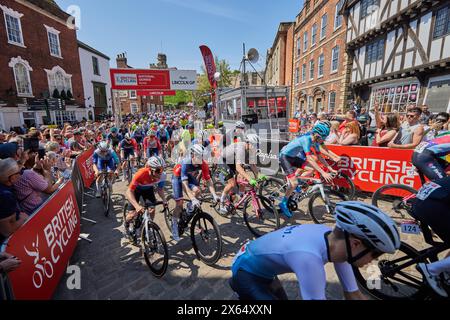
(45, 244)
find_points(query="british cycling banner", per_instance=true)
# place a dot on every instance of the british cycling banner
(133, 79)
(86, 166)
(45, 245)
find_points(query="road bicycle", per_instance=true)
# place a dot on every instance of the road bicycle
(152, 240)
(106, 192)
(395, 276)
(205, 233)
(260, 215)
(128, 170)
(322, 199)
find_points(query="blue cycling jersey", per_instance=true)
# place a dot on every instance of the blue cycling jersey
(301, 147)
(111, 154)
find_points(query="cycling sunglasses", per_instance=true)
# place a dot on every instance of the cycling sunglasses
(158, 171)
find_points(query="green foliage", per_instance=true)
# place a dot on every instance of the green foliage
(180, 99)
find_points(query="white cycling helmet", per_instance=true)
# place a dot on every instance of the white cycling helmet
(103, 146)
(197, 149)
(155, 163)
(128, 136)
(368, 223)
(240, 125)
(252, 138)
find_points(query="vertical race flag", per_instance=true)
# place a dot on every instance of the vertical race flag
(209, 64)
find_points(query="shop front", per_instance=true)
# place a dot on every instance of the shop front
(395, 96)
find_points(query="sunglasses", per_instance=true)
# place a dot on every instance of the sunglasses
(158, 171)
(441, 120)
(410, 115)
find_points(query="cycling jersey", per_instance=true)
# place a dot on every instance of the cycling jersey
(138, 135)
(110, 159)
(301, 147)
(303, 250)
(163, 135)
(142, 180)
(128, 146)
(186, 170)
(439, 146)
(432, 157)
(114, 140)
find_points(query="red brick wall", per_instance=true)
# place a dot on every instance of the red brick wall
(37, 52)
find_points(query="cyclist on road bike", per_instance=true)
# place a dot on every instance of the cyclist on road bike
(235, 157)
(433, 209)
(433, 157)
(303, 151)
(143, 186)
(104, 157)
(163, 136)
(152, 146)
(362, 234)
(185, 178)
(114, 139)
(128, 151)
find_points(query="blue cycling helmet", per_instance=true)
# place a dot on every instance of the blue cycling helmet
(114, 130)
(322, 130)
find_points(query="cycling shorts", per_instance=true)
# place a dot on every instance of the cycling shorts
(147, 195)
(127, 153)
(251, 287)
(290, 165)
(110, 165)
(228, 170)
(151, 152)
(433, 168)
(177, 186)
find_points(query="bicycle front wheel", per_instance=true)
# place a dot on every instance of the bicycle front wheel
(273, 189)
(322, 210)
(106, 199)
(344, 184)
(382, 283)
(206, 238)
(396, 200)
(154, 249)
(261, 218)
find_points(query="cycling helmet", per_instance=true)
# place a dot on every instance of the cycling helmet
(103, 146)
(368, 223)
(240, 125)
(155, 163)
(151, 133)
(252, 138)
(197, 149)
(210, 126)
(127, 136)
(114, 130)
(221, 124)
(161, 127)
(322, 130)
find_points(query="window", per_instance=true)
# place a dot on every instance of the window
(13, 26)
(64, 117)
(298, 46)
(311, 70)
(368, 7)
(335, 59)
(438, 94)
(305, 41)
(323, 26)
(21, 69)
(375, 51)
(442, 23)
(314, 34)
(304, 72)
(53, 41)
(310, 103)
(95, 66)
(297, 75)
(133, 94)
(58, 79)
(134, 108)
(321, 63)
(331, 102)
(337, 16)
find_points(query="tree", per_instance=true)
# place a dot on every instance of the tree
(181, 98)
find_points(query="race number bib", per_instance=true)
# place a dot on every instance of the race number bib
(421, 147)
(410, 227)
(426, 190)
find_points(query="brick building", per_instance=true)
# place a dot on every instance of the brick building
(320, 72)
(129, 101)
(279, 57)
(38, 59)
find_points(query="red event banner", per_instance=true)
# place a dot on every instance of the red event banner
(210, 65)
(86, 166)
(372, 168)
(134, 79)
(45, 245)
(156, 93)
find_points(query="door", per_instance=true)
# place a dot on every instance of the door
(318, 107)
(29, 118)
(100, 100)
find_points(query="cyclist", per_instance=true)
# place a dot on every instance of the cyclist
(143, 186)
(128, 150)
(304, 150)
(432, 208)
(235, 157)
(103, 157)
(163, 136)
(362, 234)
(184, 178)
(114, 139)
(433, 157)
(152, 146)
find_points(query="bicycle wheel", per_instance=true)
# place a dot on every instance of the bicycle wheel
(129, 174)
(322, 212)
(343, 184)
(394, 200)
(381, 283)
(106, 199)
(206, 238)
(273, 189)
(264, 221)
(154, 249)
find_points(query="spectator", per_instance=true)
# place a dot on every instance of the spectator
(313, 119)
(388, 129)
(76, 143)
(364, 118)
(350, 135)
(436, 127)
(2, 137)
(14, 151)
(350, 117)
(426, 115)
(333, 138)
(11, 217)
(411, 131)
(322, 116)
(8, 262)
(33, 188)
(303, 119)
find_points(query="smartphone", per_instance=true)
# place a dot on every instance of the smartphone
(31, 144)
(41, 153)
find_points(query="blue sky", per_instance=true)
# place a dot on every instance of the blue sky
(142, 28)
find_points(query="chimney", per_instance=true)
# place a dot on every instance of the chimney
(121, 61)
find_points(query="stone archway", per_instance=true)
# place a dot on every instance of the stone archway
(319, 94)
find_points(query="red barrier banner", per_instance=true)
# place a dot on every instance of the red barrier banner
(45, 245)
(86, 166)
(134, 79)
(372, 168)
